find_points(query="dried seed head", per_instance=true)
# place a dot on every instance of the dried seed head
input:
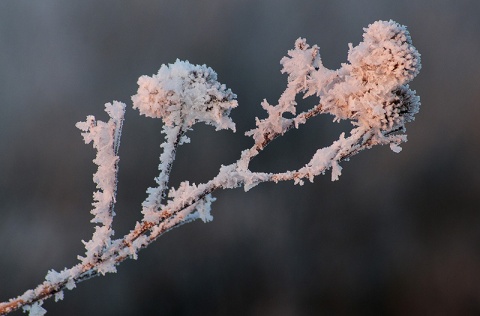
(386, 56)
(184, 94)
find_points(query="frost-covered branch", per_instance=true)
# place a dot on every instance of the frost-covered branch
(106, 140)
(371, 91)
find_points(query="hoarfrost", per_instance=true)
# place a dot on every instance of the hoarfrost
(105, 137)
(371, 91)
(183, 94)
(35, 309)
(59, 296)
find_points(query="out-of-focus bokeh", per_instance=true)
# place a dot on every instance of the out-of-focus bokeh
(399, 234)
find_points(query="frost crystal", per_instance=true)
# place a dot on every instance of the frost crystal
(184, 196)
(35, 309)
(301, 63)
(183, 94)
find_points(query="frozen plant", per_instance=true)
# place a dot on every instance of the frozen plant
(371, 91)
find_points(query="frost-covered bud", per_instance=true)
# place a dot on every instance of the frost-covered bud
(387, 111)
(400, 108)
(386, 57)
(183, 94)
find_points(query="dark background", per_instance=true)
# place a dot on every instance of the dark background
(399, 234)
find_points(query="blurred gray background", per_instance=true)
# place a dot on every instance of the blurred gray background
(399, 234)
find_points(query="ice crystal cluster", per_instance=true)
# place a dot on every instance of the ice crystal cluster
(182, 94)
(370, 90)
